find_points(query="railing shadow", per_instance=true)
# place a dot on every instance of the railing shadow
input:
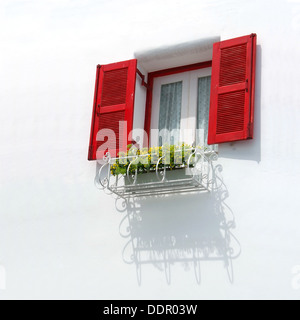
(189, 229)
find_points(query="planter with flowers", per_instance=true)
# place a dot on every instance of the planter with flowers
(158, 170)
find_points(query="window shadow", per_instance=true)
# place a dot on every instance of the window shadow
(250, 149)
(188, 229)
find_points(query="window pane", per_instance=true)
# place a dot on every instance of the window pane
(170, 112)
(203, 110)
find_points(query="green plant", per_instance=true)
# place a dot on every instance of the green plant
(145, 160)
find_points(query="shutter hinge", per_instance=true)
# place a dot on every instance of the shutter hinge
(250, 130)
(144, 83)
(247, 85)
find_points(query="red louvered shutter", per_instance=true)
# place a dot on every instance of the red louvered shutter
(232, 90)
(113, 103)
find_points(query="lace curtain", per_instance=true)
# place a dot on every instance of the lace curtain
(170, 112)
(203, 112)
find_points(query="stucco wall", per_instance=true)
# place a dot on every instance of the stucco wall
(59, 235)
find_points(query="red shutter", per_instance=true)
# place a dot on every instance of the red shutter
(232, 90)
(113, 102)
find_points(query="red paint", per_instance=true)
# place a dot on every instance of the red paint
(162, 73)
(232, 90)
(90, 154)
(252, 85)
(148, 109)
(144, 83)
(113, 102)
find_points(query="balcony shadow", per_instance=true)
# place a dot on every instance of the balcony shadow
(187, 229)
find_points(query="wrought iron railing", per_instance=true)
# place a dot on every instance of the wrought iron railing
(195, 176)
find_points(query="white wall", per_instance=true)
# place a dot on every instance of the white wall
(59, 235)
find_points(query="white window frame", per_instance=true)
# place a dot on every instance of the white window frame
(189, 103)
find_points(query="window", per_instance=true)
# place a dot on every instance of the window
(180, 108)
(211, 101)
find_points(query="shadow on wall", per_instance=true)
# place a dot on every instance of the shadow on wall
(189, 229)
(250, 149)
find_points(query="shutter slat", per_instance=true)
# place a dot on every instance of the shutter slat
(114, 87)
(233, 65)
(113, 103)
(232, 90)
(111, 121)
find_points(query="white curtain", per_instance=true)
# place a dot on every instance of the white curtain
(170, 112)
(203, 112)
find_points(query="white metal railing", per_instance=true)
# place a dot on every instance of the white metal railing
(196, 175)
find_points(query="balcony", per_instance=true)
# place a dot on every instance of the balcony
(195, 175)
